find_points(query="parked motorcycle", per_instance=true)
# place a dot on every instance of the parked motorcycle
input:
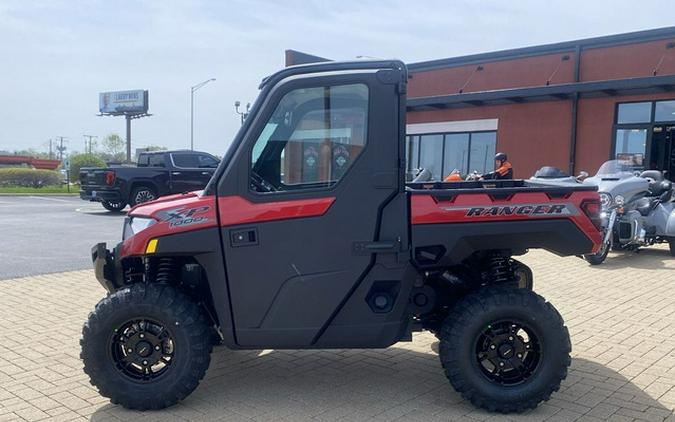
(637, 208)
(548, 175)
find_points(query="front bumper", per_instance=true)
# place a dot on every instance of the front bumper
(97, 195)
(107, 269)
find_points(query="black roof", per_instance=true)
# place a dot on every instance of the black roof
(566, 46)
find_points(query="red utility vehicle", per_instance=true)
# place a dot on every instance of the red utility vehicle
(307, 236)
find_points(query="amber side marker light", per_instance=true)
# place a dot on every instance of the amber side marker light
(152, 246)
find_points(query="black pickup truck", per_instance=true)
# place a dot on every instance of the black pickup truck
(156, 174)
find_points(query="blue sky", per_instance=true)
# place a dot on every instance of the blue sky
(58, 55)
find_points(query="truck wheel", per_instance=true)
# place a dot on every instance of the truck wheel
(114, 206)
(671, 244)
(142, 194)
(600, 256)
(146, 346)
(504, 349)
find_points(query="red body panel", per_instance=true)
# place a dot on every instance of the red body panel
(190, 211)
(235, 210)
(467, 208)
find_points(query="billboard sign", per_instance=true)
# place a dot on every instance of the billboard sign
(123, 102)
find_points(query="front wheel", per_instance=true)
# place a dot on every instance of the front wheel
(600, 256)
(146, 346)
(505, 349)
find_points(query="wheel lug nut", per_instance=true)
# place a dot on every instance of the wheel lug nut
(510, 338)
(519, 355)
(141, 335)
(130, 350)
(156, 347)
(501, 363)
(145, 362)
(492, 346)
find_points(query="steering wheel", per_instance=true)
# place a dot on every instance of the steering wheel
(260, 184)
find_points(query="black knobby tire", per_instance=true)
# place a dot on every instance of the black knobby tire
(114, 206)
(142, 194)
(671, 245)
(600, 256)
(545, 360)
(182, 321)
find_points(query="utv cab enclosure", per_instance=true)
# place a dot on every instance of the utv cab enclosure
(308, 237)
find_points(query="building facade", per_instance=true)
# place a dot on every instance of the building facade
(571, 105)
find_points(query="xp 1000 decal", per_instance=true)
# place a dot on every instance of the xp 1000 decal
(181, 217)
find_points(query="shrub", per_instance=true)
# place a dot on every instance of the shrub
(83, 160)
(27, 177)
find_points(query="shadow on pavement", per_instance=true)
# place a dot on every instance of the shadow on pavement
(391, 384)
(649, 258)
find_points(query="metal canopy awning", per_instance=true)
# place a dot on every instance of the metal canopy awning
(630, 86)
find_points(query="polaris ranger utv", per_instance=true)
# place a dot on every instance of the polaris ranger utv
(308, 237)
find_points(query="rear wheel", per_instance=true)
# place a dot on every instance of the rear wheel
(114, 206)
(146, 346)
(505, 349)
(142, 194)
(671, 244)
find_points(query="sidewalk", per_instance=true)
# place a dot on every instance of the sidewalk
(621, 317)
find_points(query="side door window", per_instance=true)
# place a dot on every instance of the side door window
(311, 140)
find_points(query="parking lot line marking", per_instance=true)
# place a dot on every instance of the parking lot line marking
(48, 199)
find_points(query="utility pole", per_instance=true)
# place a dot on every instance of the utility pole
(60, 147)
(88, 141)
(51, 154)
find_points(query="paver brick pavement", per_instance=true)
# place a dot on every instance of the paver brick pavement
(621, 317)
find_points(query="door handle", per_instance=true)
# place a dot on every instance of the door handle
(175, 173)
(206, 173)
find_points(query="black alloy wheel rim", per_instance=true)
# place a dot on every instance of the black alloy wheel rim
(142, 350)
(144, 196)
(115, 204)
(508, 352)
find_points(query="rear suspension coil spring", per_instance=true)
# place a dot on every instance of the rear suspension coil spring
(500, 269)
(167, 269)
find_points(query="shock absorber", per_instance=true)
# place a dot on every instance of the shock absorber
(500, 269)
(167, 268)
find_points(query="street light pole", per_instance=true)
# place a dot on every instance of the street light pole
(192, 110)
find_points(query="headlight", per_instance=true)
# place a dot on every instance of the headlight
(619, 200)
(605, 199)
(140, 223)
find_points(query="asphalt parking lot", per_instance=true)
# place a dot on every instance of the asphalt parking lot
(47, 234)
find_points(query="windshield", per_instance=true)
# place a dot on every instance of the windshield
(615, 167)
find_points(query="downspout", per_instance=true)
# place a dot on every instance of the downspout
(575, 108)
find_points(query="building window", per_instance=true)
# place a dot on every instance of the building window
(441, 153)
(664, 111)
(643, 134)
(634, 113)
(631, 145)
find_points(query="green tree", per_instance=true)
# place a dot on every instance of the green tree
(114, 147)
(78, 161)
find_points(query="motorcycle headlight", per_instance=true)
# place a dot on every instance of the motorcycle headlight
(619, 200)
(605, 199)
(134, 225)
